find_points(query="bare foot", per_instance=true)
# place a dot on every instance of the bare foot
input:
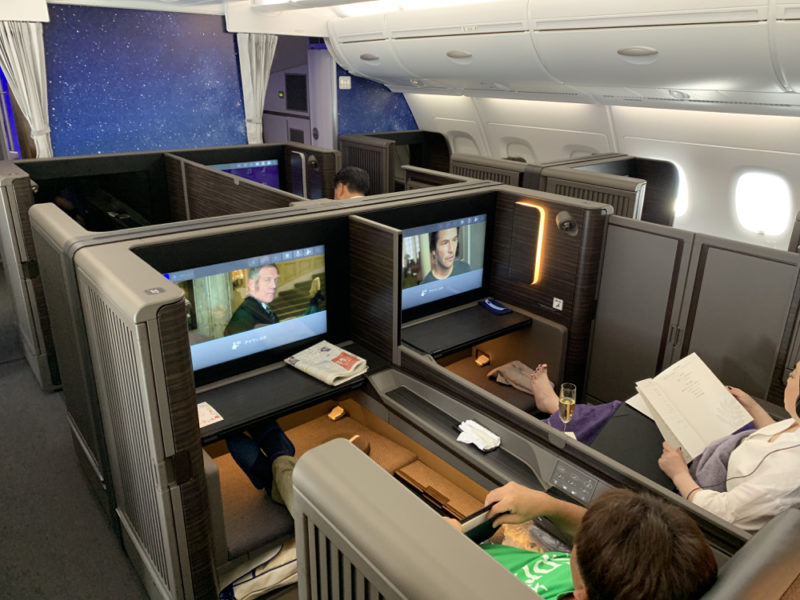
(544, 395)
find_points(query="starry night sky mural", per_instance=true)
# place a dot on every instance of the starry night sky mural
(131, 80)
(369, 107)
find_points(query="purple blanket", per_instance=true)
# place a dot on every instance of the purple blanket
(587, 420)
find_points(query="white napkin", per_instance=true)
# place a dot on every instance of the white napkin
(473, 433)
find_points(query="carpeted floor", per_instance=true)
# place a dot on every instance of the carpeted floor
(55, 541)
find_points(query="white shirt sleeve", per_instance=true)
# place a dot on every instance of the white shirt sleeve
(761, 483)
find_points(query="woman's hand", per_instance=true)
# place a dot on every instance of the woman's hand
(671, 461)
(760, 416)
(743, 398)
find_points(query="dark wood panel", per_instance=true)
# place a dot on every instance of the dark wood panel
(569, 271)
(212, 194)
(188, 459)
(374, 286)
(176, 192)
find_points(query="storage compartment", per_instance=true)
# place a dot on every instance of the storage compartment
(786, 31)
(501, 62)
(474, 348)
(481, 47)
(713, 56)
(245, 521)
(554, 14)
(361, 46)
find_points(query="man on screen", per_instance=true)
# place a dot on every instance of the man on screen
(444, 252)
(254, 311)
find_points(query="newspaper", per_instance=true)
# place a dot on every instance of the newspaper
(329, 363)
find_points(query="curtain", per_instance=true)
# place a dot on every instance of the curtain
(256, 51)
(22, 61)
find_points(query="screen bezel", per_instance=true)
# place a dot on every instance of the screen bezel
(445, 209)
(250, 164)
(214, 249)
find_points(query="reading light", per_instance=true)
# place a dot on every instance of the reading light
(537, 263)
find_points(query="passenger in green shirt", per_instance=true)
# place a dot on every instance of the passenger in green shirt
(627, 546)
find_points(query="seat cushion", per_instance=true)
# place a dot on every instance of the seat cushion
(252, 519)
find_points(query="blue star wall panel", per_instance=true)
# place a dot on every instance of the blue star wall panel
(133, 80)
(369, 107)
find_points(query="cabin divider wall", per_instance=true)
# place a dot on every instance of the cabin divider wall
(665, 293)
(156, 187)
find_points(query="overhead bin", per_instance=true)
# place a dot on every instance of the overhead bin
(715, 46)
(787, 42)
(556, 14)
(480, 47)
(474, 47)
(361, 45)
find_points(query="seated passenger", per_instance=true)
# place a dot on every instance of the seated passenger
(350, 182)
(627, 546)
(746, 478)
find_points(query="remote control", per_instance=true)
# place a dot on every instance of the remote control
(494, 306)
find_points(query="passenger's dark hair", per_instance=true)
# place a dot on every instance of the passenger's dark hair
(632, 546)
(355, 178)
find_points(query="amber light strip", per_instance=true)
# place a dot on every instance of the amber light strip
(537, 265)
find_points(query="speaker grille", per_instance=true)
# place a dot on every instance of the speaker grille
(331, 575)
(626, 203)
(482, 172)
(115, 345)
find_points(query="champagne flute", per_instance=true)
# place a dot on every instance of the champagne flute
(566, 402)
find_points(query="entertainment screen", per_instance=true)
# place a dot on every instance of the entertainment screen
(243, 307)
(442, 260)
(260, 171)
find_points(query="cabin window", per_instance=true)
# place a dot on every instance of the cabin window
(763, 202)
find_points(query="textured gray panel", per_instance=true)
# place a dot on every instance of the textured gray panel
(741, 308)
(633, 309)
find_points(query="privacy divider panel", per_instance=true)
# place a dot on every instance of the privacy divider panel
(375, 286)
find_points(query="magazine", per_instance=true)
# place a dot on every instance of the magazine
(691, 406)
(329, 363)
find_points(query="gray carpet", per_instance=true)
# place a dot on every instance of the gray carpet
(54, 539)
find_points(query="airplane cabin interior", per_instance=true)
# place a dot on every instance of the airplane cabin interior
(592, 179)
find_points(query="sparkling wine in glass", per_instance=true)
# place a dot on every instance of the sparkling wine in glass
(566, 402)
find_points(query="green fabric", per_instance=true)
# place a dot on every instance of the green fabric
(546, 573)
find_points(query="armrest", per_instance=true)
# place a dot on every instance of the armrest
(356, 525)
(766, 565)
